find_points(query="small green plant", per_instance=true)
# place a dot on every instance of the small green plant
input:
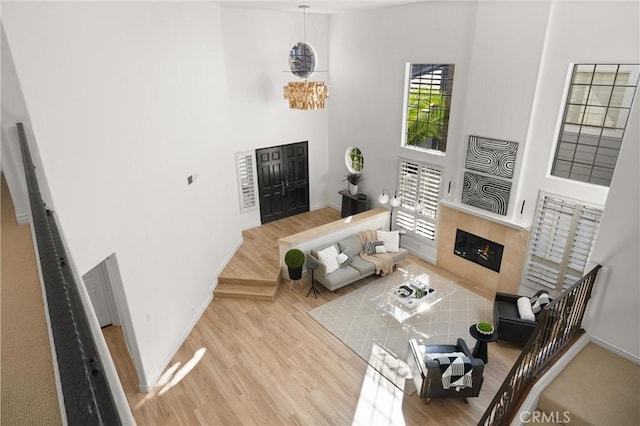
(485, 326)
(353, 178)
(294, 258)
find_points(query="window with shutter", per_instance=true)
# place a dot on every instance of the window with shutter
(246, 181)
(419, 188)
(561, 241)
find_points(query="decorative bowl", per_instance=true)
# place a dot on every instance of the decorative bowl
(485, 328)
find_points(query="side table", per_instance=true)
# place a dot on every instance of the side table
(312, 266)
(480, 350)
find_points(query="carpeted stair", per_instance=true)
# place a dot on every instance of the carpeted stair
(598, 387)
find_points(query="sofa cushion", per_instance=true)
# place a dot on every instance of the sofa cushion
(391, 240)
(338, 277)
(506, 309)
(365, 268)
(329, 256)
(354, 244)
(399, 255)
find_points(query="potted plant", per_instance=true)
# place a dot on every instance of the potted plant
(485, 328)
(354, 179)
(294, 259)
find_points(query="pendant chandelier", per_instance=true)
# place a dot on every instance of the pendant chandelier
(303, 63)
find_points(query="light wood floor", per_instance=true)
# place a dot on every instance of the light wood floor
(268, 362)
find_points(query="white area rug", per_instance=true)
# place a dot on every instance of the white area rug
(381, 340)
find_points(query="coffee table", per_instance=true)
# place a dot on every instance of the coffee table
(412, 296)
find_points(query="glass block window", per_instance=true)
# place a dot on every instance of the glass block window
(595, 117)
(419, 188)
(428, 102)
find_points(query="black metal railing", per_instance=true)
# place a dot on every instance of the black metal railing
(559, 325)
(87, 396)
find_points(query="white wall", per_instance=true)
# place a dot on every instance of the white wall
(127, 100)
(489, 42)
(257, 44)
(578, 32)
(369, 51)
(12, 111)
(593, 32)
(613, 315)
(505, 57)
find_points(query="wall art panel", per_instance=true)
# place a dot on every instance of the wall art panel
(486, 192)
(491, 156)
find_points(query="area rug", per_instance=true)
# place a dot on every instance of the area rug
(382, 340)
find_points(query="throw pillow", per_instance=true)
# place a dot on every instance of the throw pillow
(524, 309)
(370, 246)
(539, 302)
(380, 249)
(345, 258)
(329, 257)
(429, 356)
(391, 240)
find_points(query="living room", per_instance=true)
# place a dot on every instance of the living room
(136, 97)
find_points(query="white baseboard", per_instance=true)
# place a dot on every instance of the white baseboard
(23, 218)
(615, 350)
(147, 387)
(530, 403)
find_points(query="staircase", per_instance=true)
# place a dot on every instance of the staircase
(254, 271)
(598, 387)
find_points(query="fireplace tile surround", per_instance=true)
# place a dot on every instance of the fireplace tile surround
(515, 250)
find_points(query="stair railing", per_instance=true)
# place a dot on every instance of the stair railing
(559, 324)
(85, 390)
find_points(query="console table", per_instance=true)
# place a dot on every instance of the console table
(352, 204)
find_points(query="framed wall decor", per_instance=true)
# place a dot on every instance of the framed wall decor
(491, 156)
(486, 192)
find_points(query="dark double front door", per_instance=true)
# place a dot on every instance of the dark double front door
(283, 181)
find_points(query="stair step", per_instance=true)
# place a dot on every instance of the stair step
(246, 291)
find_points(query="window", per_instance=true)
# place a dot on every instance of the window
(561, 241)
(246, 181)
(428, 102)
(419, 191)
(595, 117)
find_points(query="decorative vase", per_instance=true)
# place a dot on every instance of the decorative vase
(353, 189)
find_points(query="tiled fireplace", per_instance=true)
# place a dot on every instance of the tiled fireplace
(484, 238)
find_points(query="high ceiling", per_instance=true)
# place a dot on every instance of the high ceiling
(315, 6)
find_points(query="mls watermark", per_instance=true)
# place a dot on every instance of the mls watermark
(540, 417)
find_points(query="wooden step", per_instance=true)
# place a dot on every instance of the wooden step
(246, 289)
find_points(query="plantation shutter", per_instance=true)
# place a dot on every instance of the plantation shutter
(246, 181)
(418, 186)
(560, 242)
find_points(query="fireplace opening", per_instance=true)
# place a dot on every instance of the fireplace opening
(478, 250)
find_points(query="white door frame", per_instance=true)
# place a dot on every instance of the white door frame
(124, 317)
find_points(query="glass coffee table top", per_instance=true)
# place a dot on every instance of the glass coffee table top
(414, 295)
